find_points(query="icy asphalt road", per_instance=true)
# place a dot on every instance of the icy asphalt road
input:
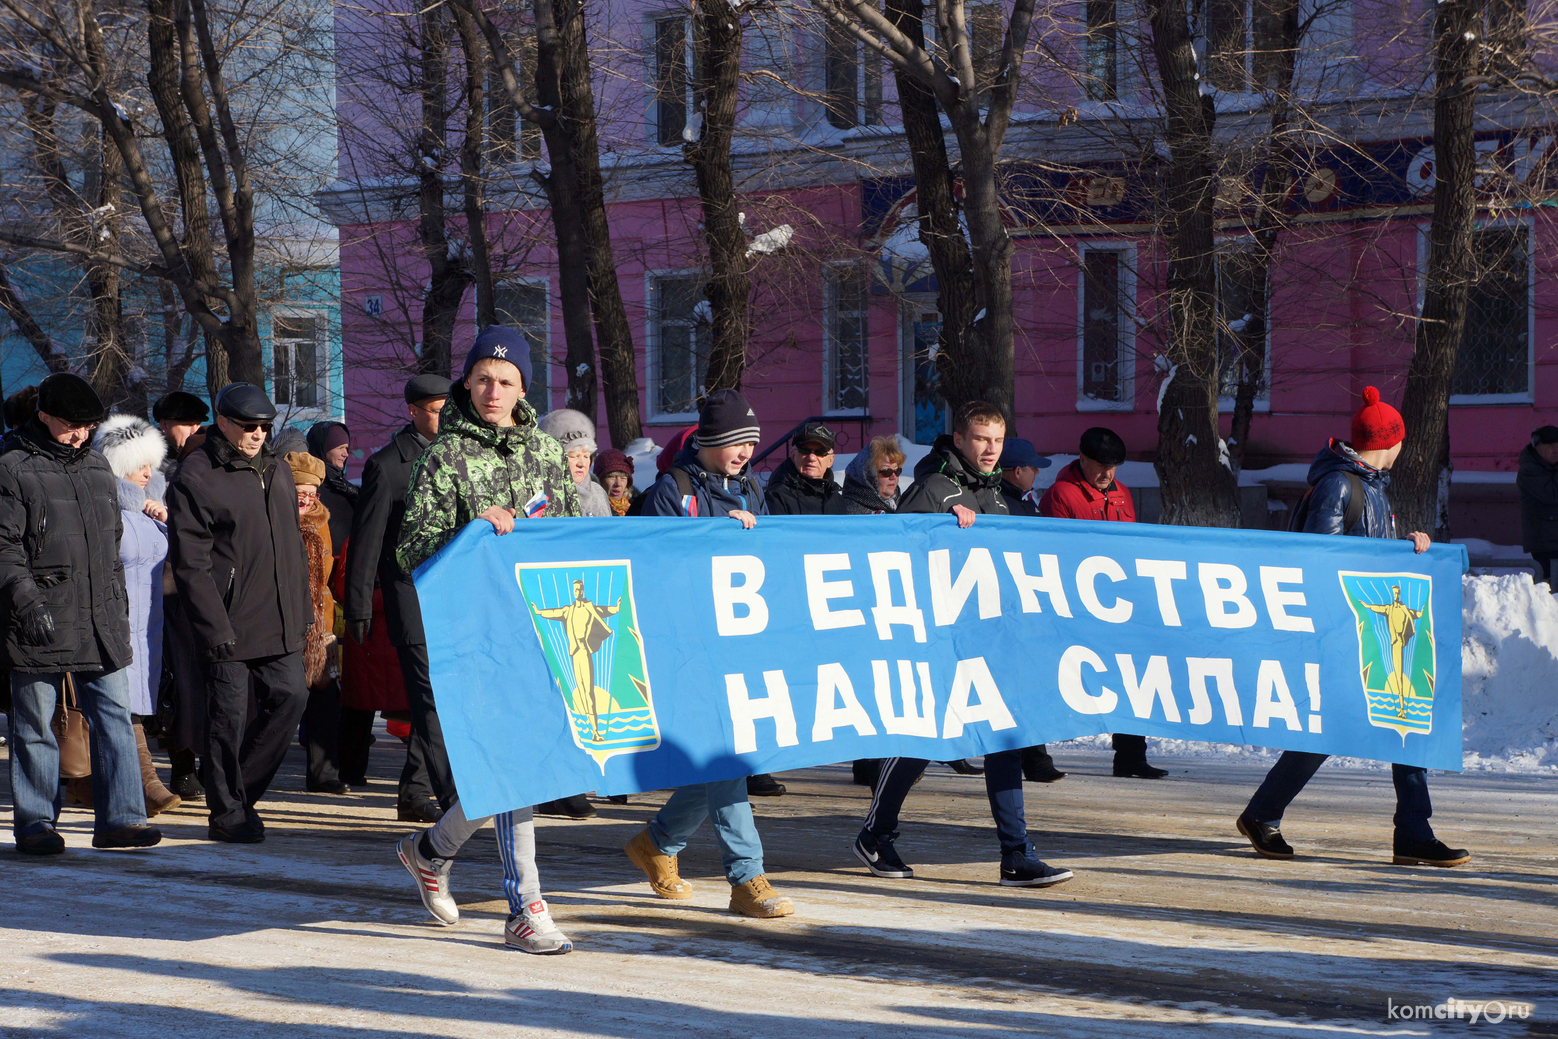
(1171, 928)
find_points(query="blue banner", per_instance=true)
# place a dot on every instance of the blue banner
(633, 654)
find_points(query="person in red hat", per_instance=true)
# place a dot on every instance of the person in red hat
(1346, 496)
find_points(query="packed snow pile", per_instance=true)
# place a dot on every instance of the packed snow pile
(1509, 674)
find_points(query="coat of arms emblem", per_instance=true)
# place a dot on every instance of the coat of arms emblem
(586, 621)
(1395, 628)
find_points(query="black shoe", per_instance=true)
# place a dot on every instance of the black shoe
(1266, 840)
(618, 799)
(866, 771)
(965, 767)
(420, 810)
(1138, 770)
(764, 785)
(240, 833)
(1031, 872)
(328, 786)
(41, 842)
(1432, 852)
(1042, 774)
(880, 857)
(357, 780)
(136, 835)
(188, 787)
(576, 807)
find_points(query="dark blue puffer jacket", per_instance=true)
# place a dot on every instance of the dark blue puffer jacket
(711, 495)
(1328, 502)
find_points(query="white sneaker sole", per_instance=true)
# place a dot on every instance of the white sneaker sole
(442, 918)
(1058, 878)
(877, 870)
(537, 946)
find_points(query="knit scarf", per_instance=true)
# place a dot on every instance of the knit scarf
(619, 506)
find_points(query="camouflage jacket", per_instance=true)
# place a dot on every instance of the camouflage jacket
(474, 465)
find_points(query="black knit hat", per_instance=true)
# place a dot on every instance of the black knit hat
(70, 397)
(425, 386)
(244, 402)
(727, 419)
(504, 343)
(180, 407)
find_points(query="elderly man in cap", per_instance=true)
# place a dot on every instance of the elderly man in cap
(179, 415)
(803, 485)
(65, 612)
(238, 562)
(381, 508)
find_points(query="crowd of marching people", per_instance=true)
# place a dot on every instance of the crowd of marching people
(218, 584)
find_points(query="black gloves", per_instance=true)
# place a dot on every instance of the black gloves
(225, 651)
(359, 630)
(35, 626)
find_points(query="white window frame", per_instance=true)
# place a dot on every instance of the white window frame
(544, 283)
(1262, 402)
(816, 42)
(323, 362)
(652, 56)
(652, 343)
(1129, 329)
(1488, 399)
(830, 280)
(1251, 88)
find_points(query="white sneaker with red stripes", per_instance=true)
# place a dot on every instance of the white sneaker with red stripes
(532, 930)
(432, 877)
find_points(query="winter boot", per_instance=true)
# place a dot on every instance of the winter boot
(78, 791)
(158, 797)
(756, 898)
(660, 868)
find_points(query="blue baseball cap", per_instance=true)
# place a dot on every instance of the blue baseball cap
(1019, 452)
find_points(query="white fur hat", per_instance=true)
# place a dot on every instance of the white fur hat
(128, 443)
(572, 429)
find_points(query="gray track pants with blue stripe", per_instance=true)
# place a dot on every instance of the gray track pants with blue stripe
(516, 848)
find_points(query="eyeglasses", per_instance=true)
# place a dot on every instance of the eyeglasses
(813, 449)
(307, 499)
(889, 472)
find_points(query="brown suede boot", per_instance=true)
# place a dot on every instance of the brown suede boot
(79, 791)
(659, 867)
(158, 797)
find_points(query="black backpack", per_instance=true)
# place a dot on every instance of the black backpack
(1351, 513)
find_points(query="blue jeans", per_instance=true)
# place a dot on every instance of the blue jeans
(1003, 787)
(104, 697)
(1295, 768)
(725, 802)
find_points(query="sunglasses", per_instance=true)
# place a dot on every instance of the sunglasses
(252, 427)
(889, 472)
(814, 450)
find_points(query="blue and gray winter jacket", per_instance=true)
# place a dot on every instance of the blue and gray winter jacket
(709, 494)
(1328, 502)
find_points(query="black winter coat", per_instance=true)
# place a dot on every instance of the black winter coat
(338, 494)
(376, 532)
(237, 552)
(59, 546)
(943, 479)
(791, 494)
(1538, 484)
(1016, 504)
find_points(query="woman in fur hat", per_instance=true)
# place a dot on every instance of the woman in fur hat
(135, 451)
(322, 718)
(575, 431)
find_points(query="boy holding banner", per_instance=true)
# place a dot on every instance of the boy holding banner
(710, 477)
(490, 462)
(960, 475)
(1341, 472)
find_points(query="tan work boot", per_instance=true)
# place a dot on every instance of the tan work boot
(757, 898)
(659, 867)
(158, 797)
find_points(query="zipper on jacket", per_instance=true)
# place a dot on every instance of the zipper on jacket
(227, 596)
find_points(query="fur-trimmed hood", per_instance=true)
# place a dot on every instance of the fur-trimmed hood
(129, 442)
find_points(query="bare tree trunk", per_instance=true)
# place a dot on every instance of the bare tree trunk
(448, 274)
(1420, 476)
(110, 361)
(1197, 488)
(984, 370)
(718, 32)
(473, 149)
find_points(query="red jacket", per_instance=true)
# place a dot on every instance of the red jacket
(1072, 497)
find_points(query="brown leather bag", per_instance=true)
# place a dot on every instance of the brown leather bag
(72, 733)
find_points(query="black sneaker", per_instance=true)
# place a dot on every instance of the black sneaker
(1266, 840)
(880, 857)
(41, 842)
(1030, 872)
(764, 785)
(1429, 853)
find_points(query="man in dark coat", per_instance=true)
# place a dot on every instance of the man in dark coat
(960, 475)
(239, 564)
(66, 612)
(375, 533)
(803, 485)
(1537, 481)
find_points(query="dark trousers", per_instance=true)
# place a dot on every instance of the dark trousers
(241, 759)
(322, 732)
(1295, 768)
(427, 735)
(356, 736)
(1544, 564)
(1003, 784)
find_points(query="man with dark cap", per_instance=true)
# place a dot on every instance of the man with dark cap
(803, 485)
(242, 575)
(386, 478)
(179, 415)
(1087, 489)
(1537, 482)
(65, 614)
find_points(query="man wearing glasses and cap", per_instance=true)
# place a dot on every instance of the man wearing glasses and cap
(803, 485)
(242, 575)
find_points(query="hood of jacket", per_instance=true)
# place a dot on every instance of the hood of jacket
(459, 419)
(946, 459)
(734, 492)
(1338, 456)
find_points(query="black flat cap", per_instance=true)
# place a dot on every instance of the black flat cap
(244, 402)
(70, 397)
(816, 433)
(424, 386)
(181, 407)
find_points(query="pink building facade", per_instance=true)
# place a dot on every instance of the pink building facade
(844, 313)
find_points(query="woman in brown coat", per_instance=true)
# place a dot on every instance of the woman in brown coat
(322, 719)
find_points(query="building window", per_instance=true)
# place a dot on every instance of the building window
(1495, 357)
(767, 69)
(680, 338)
(1244, 44)
(845, 350)
(1108, 327)
(523, 306)
(852, 89)
(1242, 306)
(672, 82)
(511, 137)
(298, 355)
(1100, 71)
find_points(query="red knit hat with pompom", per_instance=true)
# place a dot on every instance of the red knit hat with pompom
(1377, 426)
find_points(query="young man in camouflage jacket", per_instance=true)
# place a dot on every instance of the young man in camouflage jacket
(489, 462)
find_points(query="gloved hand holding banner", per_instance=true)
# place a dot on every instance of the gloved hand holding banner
(646, 653)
